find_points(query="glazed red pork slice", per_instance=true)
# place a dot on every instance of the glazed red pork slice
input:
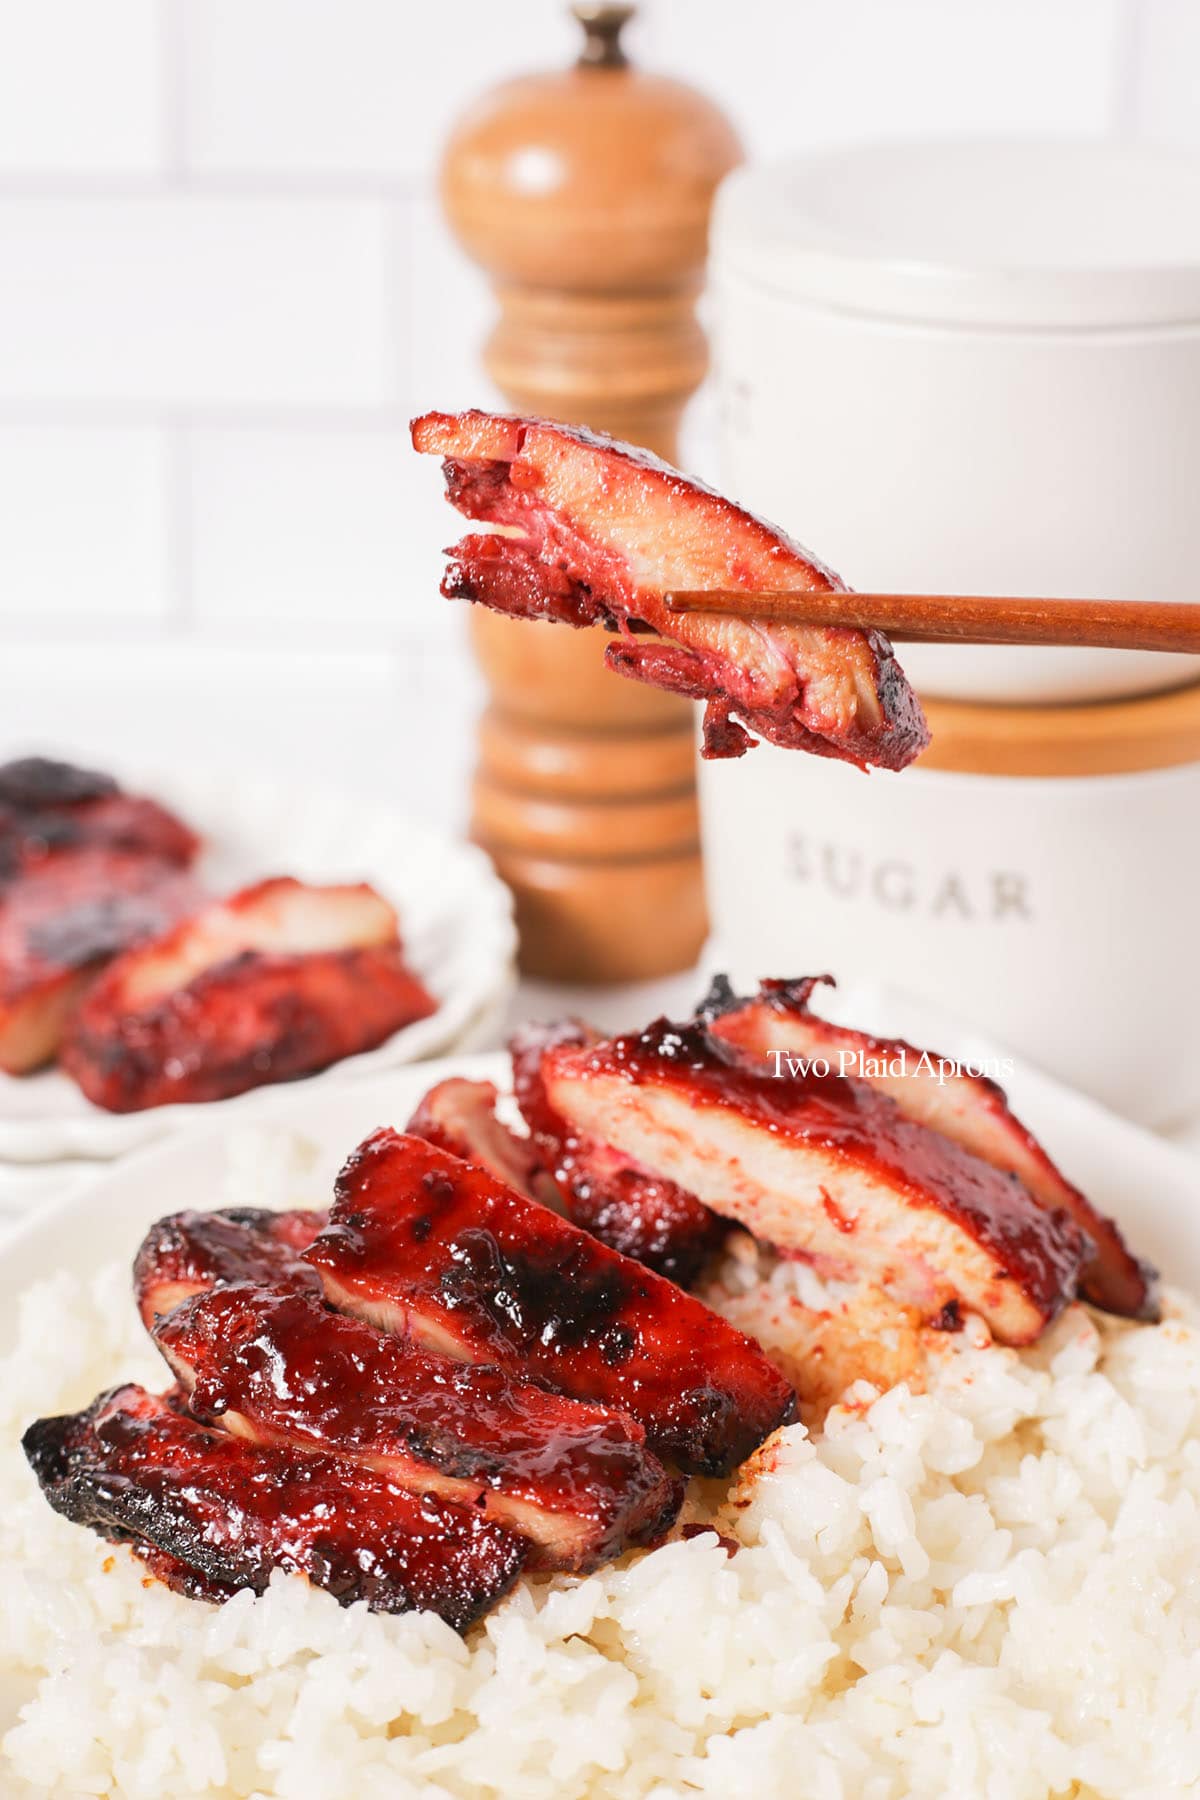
(189, 1253)
(425, 1245)
(277, 1367)
(230, 1512)
(460, 1116)
(970, 1109)
(279, 981)
(596, 532)
(47, 806)
(61, 920)
(654, 1221)
(829, 1169)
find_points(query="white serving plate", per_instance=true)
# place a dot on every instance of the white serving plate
(1151, 1188)
(455, 919)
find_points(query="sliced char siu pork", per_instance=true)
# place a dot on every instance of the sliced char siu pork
(641, 1215)
(191, 1252)
(970, 1109)
(278, 1368)
(216, 1513)
(425, 1245)
(62, 919)
(86, 871)
(277, 982)
(460, 1116)
(596, 532)
(826, 1168)
(47, 806)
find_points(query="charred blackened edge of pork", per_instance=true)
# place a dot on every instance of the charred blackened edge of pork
(35, 782)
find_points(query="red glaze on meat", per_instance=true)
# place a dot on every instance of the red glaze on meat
(277, 1367)
(61, 919)
(132, 1466)
(47, 806)
(827, 1168)
(425, 1245)
(970, 1109)
(599, 532)
(460, 1116)
(191, 1252)
(278, 982)
(641, 1215)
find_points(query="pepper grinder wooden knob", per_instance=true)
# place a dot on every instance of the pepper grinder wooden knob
(585, 194)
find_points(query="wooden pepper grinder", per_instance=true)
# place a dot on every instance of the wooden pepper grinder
(586, 194)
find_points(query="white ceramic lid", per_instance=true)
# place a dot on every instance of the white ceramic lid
(983, 233)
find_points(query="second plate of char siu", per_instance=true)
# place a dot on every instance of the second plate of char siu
(155, 959)
(282, 979)
(86, 871)
(451, 1376)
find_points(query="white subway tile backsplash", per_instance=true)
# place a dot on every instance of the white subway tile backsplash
(1164, 91)
(335, 530)
(200, 301)
(806, 73)
(224, 282)
(81, 86)
(452, 312)
(360, 87)
(83, 524)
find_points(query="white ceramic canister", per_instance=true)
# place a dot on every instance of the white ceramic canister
(1054, 907)
(973, 367)
(976, 368)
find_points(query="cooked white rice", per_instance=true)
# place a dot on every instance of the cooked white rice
(990, 1590)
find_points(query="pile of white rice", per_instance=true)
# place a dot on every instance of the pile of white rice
(989, 1590)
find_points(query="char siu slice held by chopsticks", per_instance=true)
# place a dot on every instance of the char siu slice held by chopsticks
(598, 532)
(422, 1244)
(970, 1109)
(279, 981)
(826, 1168)
(133, 1467)
(654, 1221)
(278, 1368)
(192, 1252)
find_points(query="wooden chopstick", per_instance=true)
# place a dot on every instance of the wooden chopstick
(965, 618)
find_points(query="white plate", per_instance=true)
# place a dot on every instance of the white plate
(1151, 1188)
(455, 918)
